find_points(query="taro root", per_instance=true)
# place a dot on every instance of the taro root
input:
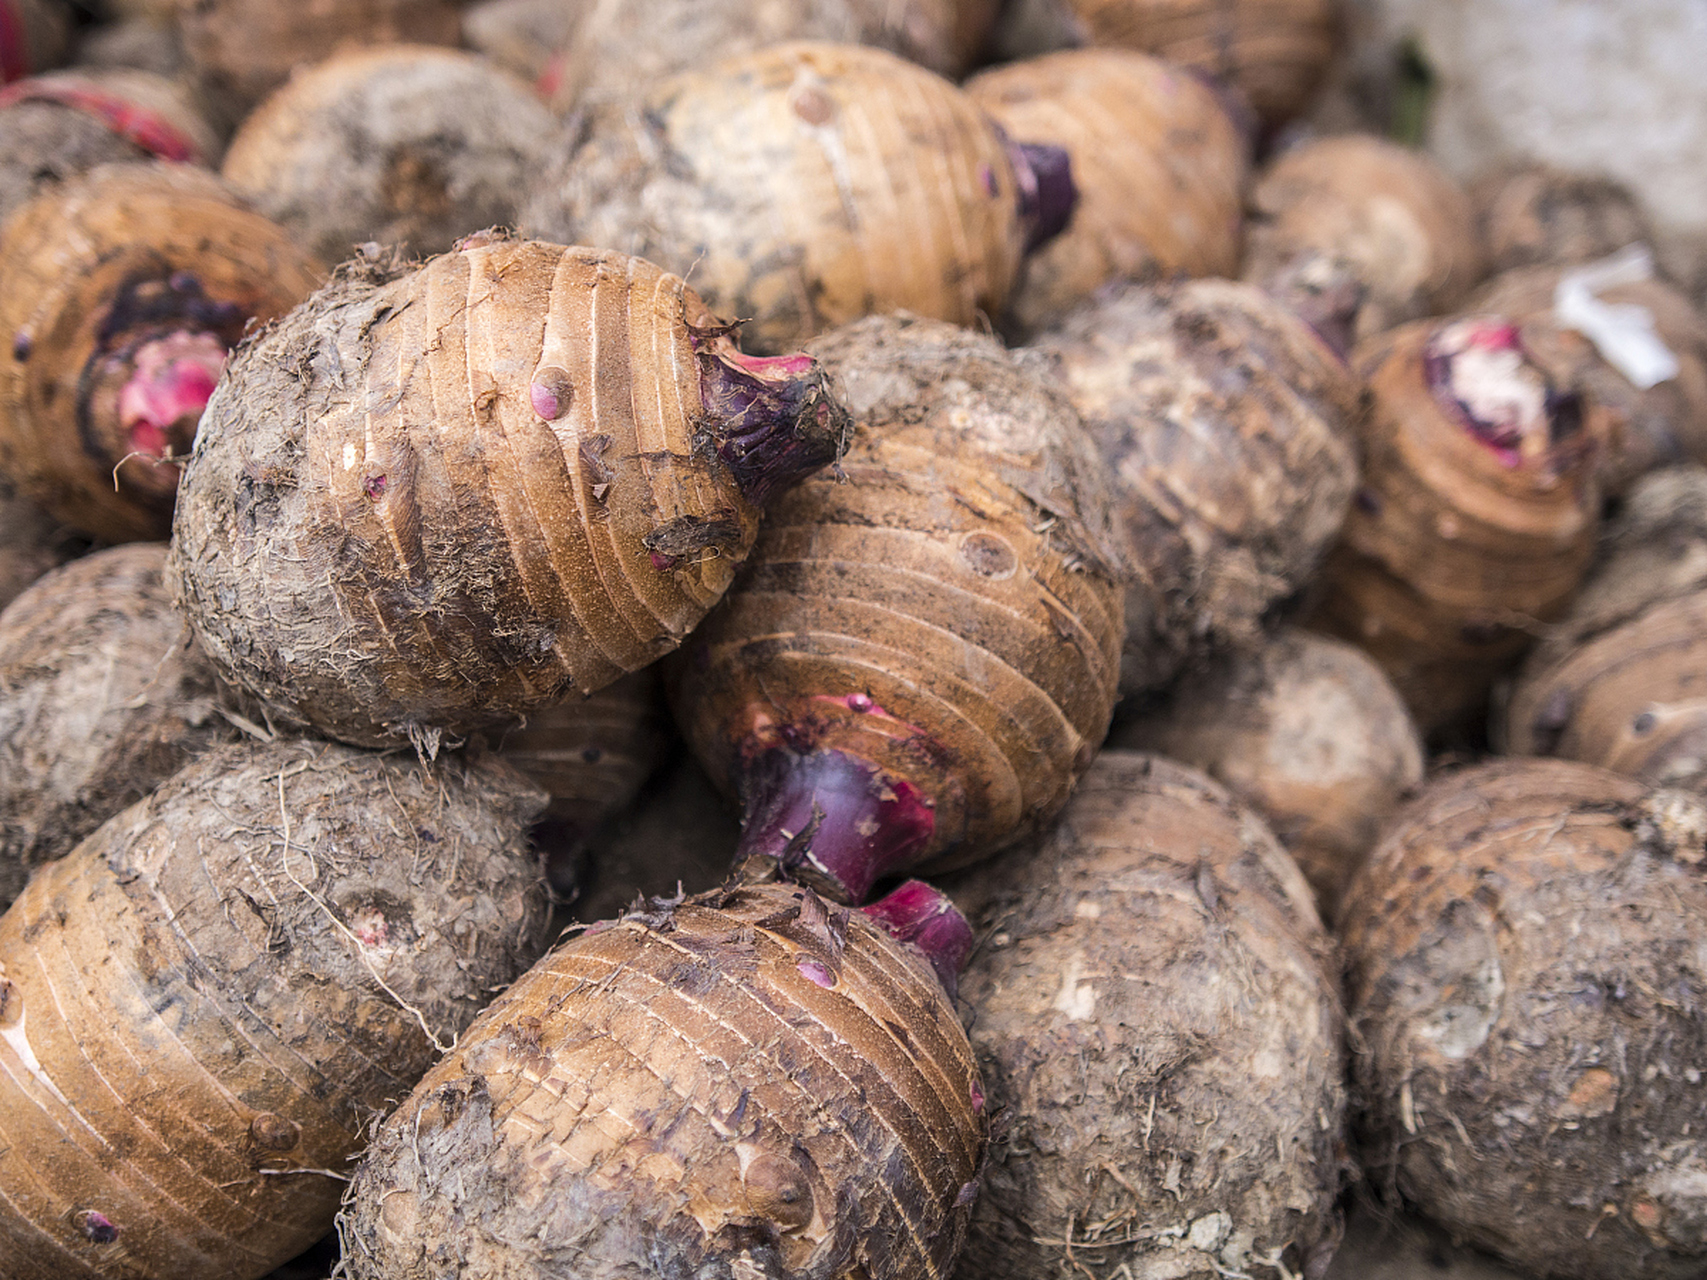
(242, 50)
(522, 36)
(619, 45)
(403, 145)
(1525, 973)
(103, 696)
(918, 662)
(806, 185)
(1621, 680)
(1158, 164)
(1157, 1018)
(747, 1083)
(1307, 731)
(1647, 426)
(1227, 431)
(1477, 514)
(1535, 215)
(1358, 234)
(434, 499)
(31, 543)
(34, 35)
(205, 1004)
(1275, 52)
(120, 294)
(54, 127)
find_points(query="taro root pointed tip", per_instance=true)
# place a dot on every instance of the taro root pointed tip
(780, 422)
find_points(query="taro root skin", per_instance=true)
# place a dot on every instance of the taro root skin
(802, 186)
(1536, 215)
(120, 294)
(1228, 432)
(31, 543)
(435, 499)
(742, 1084)
(1157, 1018)
(918, 663)
(408, 144)
(1158, 164)
(226, 983)
(1525, 969)
(103, 696)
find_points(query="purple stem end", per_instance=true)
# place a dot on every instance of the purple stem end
(777, 421)
(1047, 193)
(832, 820)
(923, 917)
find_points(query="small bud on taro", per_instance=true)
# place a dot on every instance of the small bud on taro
(97, 1226)
(550, 393)
(274, 1132)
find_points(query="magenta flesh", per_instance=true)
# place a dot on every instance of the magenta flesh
(1479, 372)
(777, 421)
(919, 915)
(832, 820)
(171, 380)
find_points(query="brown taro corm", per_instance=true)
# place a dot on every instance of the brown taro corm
(437, 497)
(103, 695)
(919, 660)
(1619, 680)
(1274, 54)
(241, 50)
(206, 1005)
(121, 293)
(1306, 730)
(1525, 973)
(406, 144)
(1158, 1021)
(620, 45)
(1158, 163)
(808, 184)
(1476, 516)
(1228, 432)
(56, 126)
(1646, 427)
(1357, 234)
(746, 1083)
(1533, 215)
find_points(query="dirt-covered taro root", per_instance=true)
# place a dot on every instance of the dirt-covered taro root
(204, 1006)
(103, 695)
(918, 662)
(1526, 973)
(121, 293)
(56, 126)
(747, 1083)
(404, 145)
(1476, 517)
(1535, 215)
(1227, 431)
(619, 45)
(34, 36)
(1306, 730)
(592, 754)
(242, 50)
(1654, 395)
(1357, 234)
(1621, 680)
(1158, 164)
(434, 499)
(1157, 1021)
(522, 36)
(1275, 52)
(31, 543)
(806, 185)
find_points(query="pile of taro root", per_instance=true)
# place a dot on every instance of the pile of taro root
(834, 640)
